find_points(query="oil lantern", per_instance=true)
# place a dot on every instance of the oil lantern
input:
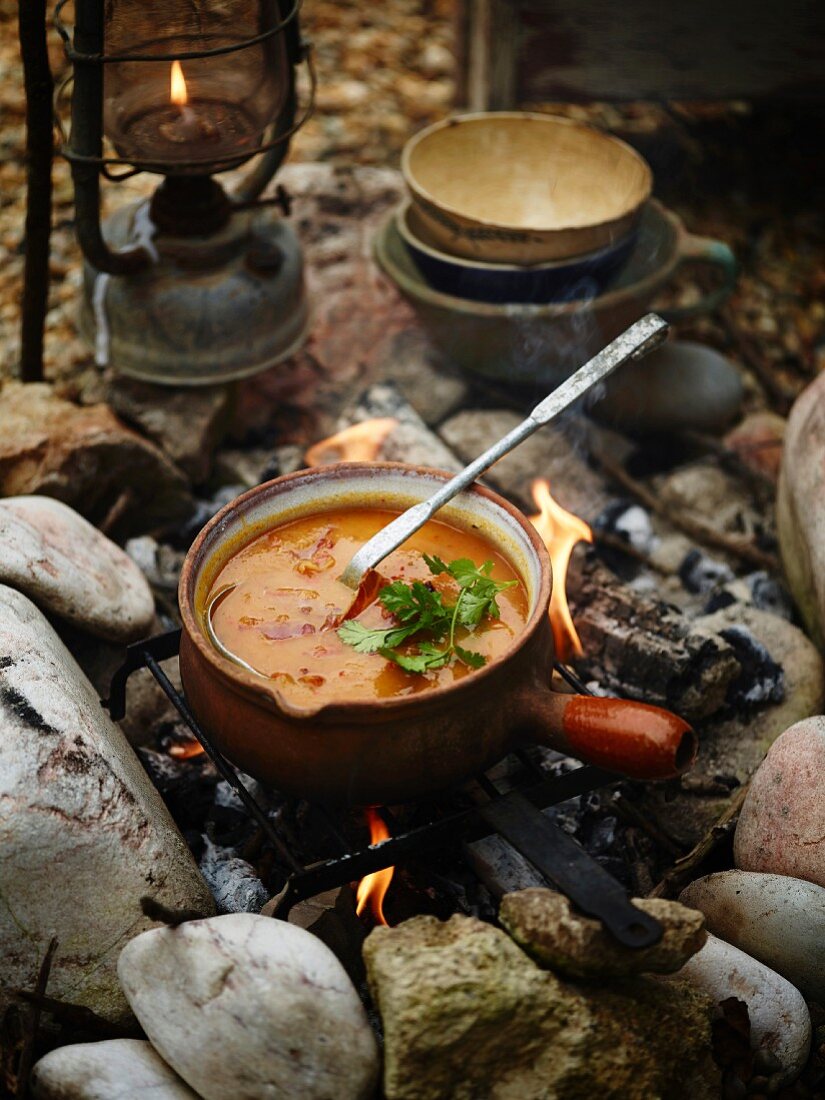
(199, 284)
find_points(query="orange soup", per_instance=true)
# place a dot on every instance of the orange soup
(283, 604)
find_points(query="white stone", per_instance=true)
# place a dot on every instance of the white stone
(83, 833)
(117, 1069)
(778, 920)
(779, 1018)
(70, 569)
(253, 1008)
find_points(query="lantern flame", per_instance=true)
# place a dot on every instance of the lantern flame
(560, 531)
(177, 91)
(360, 443)
(373, 888)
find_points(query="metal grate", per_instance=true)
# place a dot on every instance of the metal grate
(515, 815)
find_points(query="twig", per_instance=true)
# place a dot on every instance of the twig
(683, 870)
(79, 1018)
(742, 548)
(27, 1053)
(39, 145)
(780, 396)
(759, 481)
(156, 910)
(625, 808)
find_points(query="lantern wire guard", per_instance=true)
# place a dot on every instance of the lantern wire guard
(196, 286)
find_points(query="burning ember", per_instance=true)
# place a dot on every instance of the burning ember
(560, 531)
(360, 443)
(185, 750)
(372, 889)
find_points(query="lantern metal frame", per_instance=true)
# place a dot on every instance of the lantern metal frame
(83, 148)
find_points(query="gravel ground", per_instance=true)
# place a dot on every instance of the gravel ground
(386, 70)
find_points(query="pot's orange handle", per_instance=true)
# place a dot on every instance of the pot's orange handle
(636, 739)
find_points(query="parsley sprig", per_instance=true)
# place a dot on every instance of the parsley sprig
(420, 610)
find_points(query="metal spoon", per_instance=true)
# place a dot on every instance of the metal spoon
(640, 338)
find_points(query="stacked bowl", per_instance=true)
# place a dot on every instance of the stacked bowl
(529, 241)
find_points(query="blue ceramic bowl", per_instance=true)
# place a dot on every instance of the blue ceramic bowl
(568, 280)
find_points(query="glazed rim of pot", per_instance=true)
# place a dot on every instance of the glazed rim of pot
(634, 200)
(240, 521)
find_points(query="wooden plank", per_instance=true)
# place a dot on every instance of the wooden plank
(537, 50)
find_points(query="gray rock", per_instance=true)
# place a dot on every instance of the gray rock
(545, 925)
(737, 745)
(681, 386)
(467, 1015)
(778, 920)
(117, 1069)
(83, 833)
(800, 507)
(552, 453)
(186, 423)
(779, 1018)
(781, 829)
(63, 563)
(250, 1007)
(432, 386)
(710, 494)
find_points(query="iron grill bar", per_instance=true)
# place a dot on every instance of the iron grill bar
(468, 823)
(220, 762)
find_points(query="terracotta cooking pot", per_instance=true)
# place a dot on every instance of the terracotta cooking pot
(390, 750)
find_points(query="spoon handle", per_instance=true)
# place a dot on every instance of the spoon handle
(636, 341)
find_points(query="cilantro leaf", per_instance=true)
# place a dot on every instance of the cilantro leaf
(470, 657)
(364, 640)
(428, 657)
(420, 609)
(435, 564)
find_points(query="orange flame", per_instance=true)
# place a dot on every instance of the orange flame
(177, 92)
(185, 750)
(560, 531)
(373, 888)
(360, 443)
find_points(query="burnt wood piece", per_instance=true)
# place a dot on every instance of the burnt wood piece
(644, 649)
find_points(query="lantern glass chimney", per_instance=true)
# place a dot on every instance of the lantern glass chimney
(192, 115)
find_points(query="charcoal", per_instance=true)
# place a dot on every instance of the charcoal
(186, 786)
(204, 511)
(759, 590)
(233, 882)
(628, 521)
(700, 573)
(761, 679)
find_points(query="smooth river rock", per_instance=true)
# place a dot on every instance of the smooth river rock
(250, 1007)
(800, 507)
(779, 1018)
(778, 920)
(680, 386)
(545, 924)
(116, 1069)
(781, 829)
(469, 1016)
(83, 833)
(70, 569)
